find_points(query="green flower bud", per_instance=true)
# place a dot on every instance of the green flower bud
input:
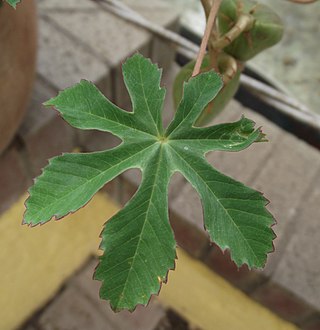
(266, 31)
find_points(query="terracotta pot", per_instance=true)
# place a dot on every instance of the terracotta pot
(18, 35)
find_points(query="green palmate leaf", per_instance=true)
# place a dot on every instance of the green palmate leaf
(13, 3)
(138, 243)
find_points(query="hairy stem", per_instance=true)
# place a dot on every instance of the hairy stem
(207, 4)
(210, 24)
(244, 23)
(214, 55)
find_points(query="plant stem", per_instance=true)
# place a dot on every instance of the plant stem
(207, 4)
(206, 37)
(244, 23)
(214, 55)
(228, 66)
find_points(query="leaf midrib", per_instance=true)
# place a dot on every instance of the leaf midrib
(143, 226)
(145, 99)
(245, 143)
(124, 127)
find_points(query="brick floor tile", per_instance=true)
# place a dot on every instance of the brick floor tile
(103, 33)
(52, 139)
(313, 324)
(282, 302)
(245, 165)
(299, 267)
(37, 115)
(63, 61)
(44, 133)
(285, 180)
(243, 278)
(73, 311)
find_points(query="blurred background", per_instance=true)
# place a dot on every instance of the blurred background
(46, 272)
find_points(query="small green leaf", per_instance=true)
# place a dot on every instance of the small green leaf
(138, 243)
(13, 3)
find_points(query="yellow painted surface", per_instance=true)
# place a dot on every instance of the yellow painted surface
(36, 261)
(209, 302)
